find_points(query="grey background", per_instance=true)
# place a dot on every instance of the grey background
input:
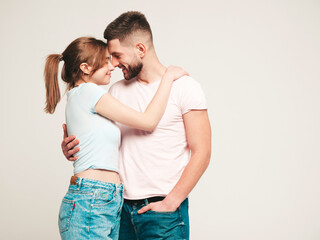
(258, 63)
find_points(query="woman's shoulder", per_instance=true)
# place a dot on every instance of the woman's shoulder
(90, 88)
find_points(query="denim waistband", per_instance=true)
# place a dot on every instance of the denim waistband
(83, 183)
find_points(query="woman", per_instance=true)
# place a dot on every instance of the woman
(91, 208)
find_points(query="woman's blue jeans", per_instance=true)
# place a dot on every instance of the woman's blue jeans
(91, 209)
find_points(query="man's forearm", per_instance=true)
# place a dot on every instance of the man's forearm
(189, 178)
(198, 132)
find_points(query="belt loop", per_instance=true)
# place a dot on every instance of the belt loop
(146, 202)
(119, 190)
(79, 184)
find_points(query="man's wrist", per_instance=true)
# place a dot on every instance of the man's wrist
(172, 202)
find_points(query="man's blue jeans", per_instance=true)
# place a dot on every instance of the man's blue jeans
(154, 225)
(91, 209)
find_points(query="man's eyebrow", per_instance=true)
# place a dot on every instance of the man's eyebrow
(116, 53)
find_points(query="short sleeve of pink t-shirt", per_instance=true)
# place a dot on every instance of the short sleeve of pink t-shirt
(189, 95)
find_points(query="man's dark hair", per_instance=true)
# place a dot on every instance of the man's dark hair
(126, 24)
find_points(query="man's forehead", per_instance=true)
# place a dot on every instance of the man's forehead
(114, 44)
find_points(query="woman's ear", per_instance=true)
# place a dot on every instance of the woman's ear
(141, 48)
(85, 68)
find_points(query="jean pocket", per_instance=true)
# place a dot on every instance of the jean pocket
(103, 198)
(165, 212)
(65, 213)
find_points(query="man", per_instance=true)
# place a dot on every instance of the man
(160, 168)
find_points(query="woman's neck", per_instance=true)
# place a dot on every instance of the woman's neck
(80, 81)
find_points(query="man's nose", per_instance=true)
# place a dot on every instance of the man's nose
(110, 65)
(115, 62)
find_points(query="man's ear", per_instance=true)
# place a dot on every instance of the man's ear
(141, 48)
(85, 68)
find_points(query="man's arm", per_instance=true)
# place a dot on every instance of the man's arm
(198, 133)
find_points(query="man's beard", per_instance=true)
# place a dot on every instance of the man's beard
(133, 71)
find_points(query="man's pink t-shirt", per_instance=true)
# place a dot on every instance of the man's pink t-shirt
(151, 163)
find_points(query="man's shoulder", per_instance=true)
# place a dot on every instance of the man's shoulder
(185, 81)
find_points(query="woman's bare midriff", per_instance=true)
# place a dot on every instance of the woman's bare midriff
(100, 175)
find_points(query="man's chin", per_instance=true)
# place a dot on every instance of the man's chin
(126, 77)
(129, 74)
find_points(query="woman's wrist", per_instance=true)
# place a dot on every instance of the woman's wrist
(168, 76)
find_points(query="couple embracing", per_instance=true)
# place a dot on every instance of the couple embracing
(139, 149)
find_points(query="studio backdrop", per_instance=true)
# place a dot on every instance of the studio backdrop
(258, 64)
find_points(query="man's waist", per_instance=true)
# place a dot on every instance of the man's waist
(143, 201)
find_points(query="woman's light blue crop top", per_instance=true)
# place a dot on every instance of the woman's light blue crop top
(99, 137)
